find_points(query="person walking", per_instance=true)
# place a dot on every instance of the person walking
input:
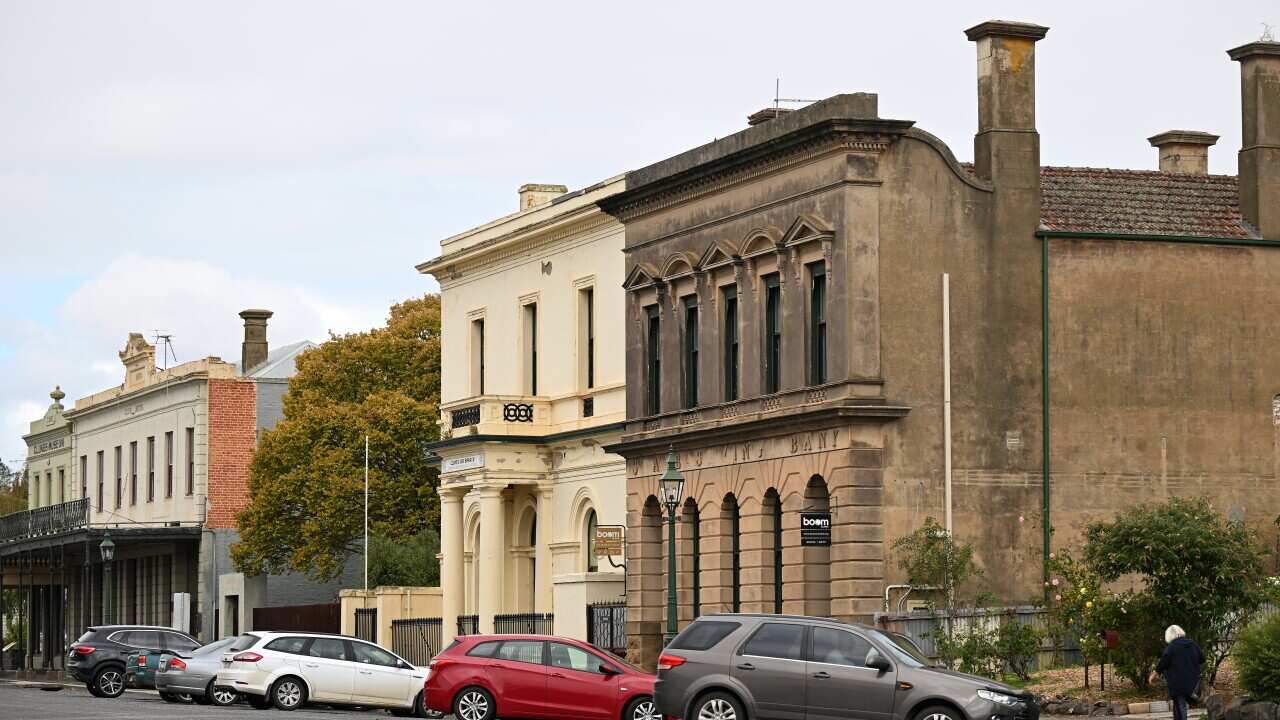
(1180, 666)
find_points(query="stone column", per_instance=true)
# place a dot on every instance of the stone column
(857, 543)
(490, 565)
(451, 581)
(543, 596)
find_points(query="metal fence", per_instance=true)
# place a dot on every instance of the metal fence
(468, 624)
(416, 639)
(367, 624)
(524, 623)
(48, 520)
(607, 626)
(921, 627)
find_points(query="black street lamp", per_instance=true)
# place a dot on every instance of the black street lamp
(672, 483)
(108, 550)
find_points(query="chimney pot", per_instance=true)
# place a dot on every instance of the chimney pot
(1185, 152)
(253, 351)
(532, 194)
(765, 115)
(1260, 141)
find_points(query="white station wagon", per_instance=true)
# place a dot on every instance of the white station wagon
(289, 669)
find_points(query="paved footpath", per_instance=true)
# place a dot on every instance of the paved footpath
(27, 701)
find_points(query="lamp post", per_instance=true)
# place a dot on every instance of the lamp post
(672, 482)
(108, 550)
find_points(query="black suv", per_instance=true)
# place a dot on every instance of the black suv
(97, 659)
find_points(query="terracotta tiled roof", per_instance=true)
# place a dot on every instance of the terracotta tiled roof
(1140, 202)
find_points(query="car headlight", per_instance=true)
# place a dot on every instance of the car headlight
(998, 698)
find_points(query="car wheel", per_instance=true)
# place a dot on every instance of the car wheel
(202, 699)
(109, 682)
(93, 689)
(221, 696)
(474, 703)
(258, 702)
(420, 707)
(938, 712)
(641, 708)
(288, 693)
(718, 706)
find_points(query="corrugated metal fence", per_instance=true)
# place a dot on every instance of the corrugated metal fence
(920, 627)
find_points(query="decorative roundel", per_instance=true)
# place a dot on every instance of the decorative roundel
(517, 412)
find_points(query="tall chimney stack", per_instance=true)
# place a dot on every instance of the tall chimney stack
(1260, 146)
(532, 194)
(253, 351)
(1185, 152)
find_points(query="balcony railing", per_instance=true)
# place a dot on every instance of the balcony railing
(42, 521)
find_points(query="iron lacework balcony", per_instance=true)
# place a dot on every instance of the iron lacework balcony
(47, 521)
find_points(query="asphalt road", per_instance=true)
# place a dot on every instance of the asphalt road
(75, 703)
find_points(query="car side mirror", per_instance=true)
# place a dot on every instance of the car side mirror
(878, 661)
(608, 669)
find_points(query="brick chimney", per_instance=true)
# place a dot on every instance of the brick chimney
(1260, 146)
(1185, 152)
(253, 351)
(536, 194)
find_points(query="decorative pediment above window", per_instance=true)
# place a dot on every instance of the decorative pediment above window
(641, 276)
(720, 254)
(761, 241)
(678, 265)
(805, 229)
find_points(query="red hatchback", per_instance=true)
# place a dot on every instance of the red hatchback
(481, 677)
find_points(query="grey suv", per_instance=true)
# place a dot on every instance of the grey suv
(781, 667)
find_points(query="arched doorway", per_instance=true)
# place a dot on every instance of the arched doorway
(816, 598)
(772, 529)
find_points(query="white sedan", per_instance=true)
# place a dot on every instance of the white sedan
(289, 669)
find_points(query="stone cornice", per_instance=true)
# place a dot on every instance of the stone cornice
(516, 243)
(827, 136)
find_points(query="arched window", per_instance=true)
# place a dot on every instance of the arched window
(774, 503)
(593, 565)
(730, 510)
(693, 517)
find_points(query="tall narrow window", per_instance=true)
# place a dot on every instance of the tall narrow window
(477, 356)
(653, 362)
(531, 348)
(695, 540)
(772, 334)
(817, 323)
(101, 484)
(191, 461)
(62, 487)
(151, 468)
(84, 476)
(133, 472)
(119, 457)
(587, 338)
(168, 464)
(735, 533)
(730, 335)
(777, 554)
(593, 564)
(690, 351)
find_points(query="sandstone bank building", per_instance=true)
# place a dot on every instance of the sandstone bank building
(784, 333)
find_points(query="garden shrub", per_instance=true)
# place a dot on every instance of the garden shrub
(1257, 659)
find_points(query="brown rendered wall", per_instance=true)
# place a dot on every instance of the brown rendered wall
(232, 436)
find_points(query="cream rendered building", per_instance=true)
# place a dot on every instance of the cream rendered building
(531, 391)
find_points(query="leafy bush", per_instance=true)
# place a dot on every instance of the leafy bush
(933, 559)
(1257, 659)
(978, 650)
(1016, 645)
(410, 562)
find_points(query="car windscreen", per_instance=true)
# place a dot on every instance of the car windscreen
(903, 650)
(214, 648)
(244, 642)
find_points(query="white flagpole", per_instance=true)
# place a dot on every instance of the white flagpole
(366, 513)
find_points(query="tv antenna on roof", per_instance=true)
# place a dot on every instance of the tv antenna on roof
(778, 99)
(167, 340)
(1267, 35)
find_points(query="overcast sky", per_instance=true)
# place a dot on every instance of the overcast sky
(164, 165)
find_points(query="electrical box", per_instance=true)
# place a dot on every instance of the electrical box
(182, 612)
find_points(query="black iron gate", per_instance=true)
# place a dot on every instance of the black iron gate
(367, 624)
(607, 627)
(524, 623)
(468, 624)
(416, 639)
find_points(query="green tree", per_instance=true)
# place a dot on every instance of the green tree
(933, 559)
(307, 477)
(1196, 570)
(13, 490)
(407, 562)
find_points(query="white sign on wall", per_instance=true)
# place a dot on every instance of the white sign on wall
(462, 462)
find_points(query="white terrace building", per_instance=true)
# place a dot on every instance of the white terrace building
(532, 390)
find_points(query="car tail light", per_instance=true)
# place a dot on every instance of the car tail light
(437, 663)
(176, 664)
(666, 662)
(83, 650)
(142, 661)
(247, 657)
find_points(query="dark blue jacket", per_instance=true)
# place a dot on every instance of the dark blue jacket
(1180, 666)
